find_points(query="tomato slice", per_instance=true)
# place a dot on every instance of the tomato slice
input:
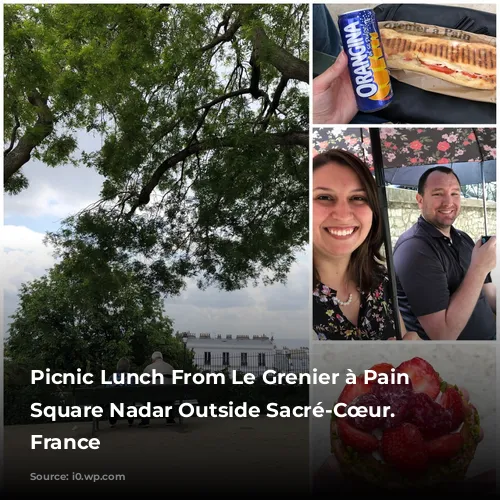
(470, 75)
(448, 71)
(441, 69)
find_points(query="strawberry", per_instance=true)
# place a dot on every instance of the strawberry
(423, 377)
(404, 448)
(381, 368)
(444, 447)
(452, 401)
(359, 440)
(352, 391)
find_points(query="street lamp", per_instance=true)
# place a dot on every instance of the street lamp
(184, 341)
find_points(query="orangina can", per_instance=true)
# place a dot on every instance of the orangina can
(367, 66)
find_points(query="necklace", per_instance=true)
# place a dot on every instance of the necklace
(342, 303)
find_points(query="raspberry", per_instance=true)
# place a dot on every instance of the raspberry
(398, 397)
(400, 409)
(430, 417)
(367, 423)
(389, 393)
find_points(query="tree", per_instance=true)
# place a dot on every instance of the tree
(85, 315)
(203, 113)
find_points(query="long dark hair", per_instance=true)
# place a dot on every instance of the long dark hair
(366, 264)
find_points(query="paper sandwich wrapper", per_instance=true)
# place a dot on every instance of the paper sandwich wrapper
(430, 83)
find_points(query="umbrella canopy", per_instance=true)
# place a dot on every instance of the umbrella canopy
(408, 152)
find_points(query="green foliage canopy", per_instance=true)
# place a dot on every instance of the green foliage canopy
(203, 114)
(89, 317)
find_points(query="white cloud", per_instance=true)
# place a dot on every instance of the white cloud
(282, 311)
(279, 310)
(252, 320)
(211, 298)
(25, 256)
(295, 295)
(57, 193)
(44, 200)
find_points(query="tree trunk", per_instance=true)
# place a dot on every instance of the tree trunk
(32, 138)
(287, 64)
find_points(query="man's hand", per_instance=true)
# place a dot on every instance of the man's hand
(404, 334)
(408, 336)
(333, 96)
(412, 336)
(483, 257)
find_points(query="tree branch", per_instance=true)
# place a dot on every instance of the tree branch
(32, 138)
(13, 136)
(221, 98)
(225, 37)
(275, 103)
(299, 138)
(287, 64)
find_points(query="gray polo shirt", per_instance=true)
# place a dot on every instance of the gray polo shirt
(429, 269)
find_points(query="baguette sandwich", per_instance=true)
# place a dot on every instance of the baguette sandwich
(468, 64)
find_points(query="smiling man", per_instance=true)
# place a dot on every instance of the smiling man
(445, 290)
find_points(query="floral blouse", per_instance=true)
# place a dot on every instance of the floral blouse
(375, 320)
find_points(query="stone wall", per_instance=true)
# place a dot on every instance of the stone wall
(404, 212)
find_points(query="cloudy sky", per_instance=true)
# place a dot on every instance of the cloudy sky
(55, 193)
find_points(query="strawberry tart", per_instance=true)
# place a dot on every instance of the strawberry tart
(429, 436)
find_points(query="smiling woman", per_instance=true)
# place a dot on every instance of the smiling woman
(351, 299)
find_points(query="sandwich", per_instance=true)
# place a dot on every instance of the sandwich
(468, 64)
(428, 438)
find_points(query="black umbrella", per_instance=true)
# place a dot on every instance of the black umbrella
(400, 156)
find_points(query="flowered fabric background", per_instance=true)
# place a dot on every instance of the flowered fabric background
(412, 147)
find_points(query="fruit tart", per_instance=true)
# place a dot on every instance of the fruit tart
(429, 436)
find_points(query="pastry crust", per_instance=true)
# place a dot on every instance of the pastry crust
(471, 65)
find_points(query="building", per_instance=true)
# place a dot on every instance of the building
(292, 360)
(240, 352)
(244, 353)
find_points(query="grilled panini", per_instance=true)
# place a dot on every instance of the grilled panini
(464, 63)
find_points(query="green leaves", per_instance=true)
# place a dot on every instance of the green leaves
(58, 149)
(87, 312)
(203, 116)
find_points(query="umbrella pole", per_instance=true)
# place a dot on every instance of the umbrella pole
(378, 166)
(474, 131)
(484, 200)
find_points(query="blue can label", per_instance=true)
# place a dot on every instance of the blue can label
(369, 74)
